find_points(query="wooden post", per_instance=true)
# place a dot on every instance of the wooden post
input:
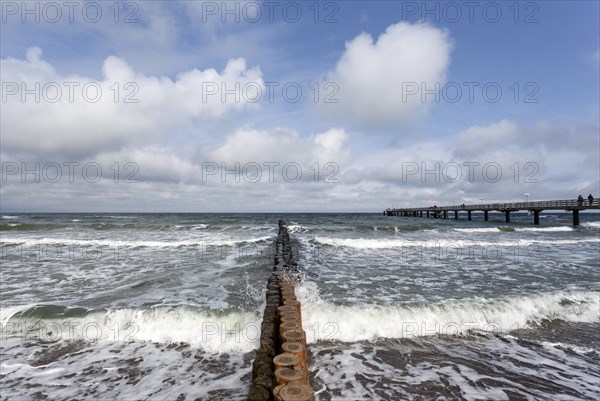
(469, 215)
(485, 215)
(287, 375)
(294, 392)
(575, 217)
(456, 215)
(282, 377)
(536, 217)
(507, 216)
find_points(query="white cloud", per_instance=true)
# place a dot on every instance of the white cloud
(283, 145)
(373, 76)
(499, 161)
(150, 165)
(477, 139)
(92, 121)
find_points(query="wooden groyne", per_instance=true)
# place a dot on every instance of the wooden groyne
(569, 205)
(280, 369)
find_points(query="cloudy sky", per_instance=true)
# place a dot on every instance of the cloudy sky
(201, 106)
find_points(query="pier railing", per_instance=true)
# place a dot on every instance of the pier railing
(574, 205)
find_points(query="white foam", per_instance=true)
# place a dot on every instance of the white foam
(489, 368)
(575, 348)
(348, 323)
(7, 312)
(28, 242)
(297, 228)
(123, 371)
(370, 243)
(545, 229)
(10, 217)
(478, 230)
(212, 331)
(592, 224)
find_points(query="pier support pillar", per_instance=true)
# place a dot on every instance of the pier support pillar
(507, 214)
(485, 215)
(536, 217)
(469, 215)
(445, 214)
(455, 215)
(575, 217)
(427, 214)
(421, 213)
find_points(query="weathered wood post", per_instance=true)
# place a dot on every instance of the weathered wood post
(280, 369)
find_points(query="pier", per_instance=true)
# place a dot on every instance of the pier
(280, 368)
(537, 207)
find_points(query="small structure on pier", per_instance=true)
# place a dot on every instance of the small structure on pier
(569, 205)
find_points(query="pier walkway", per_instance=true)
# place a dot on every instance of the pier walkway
(570, 205)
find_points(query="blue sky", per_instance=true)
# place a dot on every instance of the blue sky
(373, 58)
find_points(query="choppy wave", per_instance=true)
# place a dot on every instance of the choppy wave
(113, 217)
(477, 230)
(30, 227)
(328, 321)
(297, 228)
(371, 243)
(238, 330)
(210, 330)
(592, 224)
(545, 229)
(129, 244)
(522, 229)
(390, 229)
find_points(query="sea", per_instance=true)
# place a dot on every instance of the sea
(168, 306)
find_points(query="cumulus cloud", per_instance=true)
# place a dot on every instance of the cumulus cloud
(45, 112)
(477, 139)
(283, 145)
(150, 165)
(498, 162)
(376, 78)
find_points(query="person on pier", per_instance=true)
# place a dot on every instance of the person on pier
(590, 199)
(580, 200)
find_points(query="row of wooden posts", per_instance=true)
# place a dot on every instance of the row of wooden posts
(280, 369)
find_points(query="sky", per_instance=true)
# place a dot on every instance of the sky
(296, 106)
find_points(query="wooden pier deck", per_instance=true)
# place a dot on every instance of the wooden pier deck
(536, 207)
